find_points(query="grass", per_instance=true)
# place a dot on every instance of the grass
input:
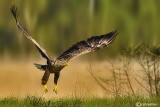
(32, 101)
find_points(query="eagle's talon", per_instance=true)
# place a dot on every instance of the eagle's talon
(55, 89)
(45, 89)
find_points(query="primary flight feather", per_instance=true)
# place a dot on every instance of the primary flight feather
(56, 65)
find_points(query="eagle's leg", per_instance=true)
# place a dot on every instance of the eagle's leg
(56, 76)
(45, 88)
(45, 79)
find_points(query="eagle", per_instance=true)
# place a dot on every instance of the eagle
(92, 44)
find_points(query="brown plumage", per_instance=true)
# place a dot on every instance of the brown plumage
(56, 65)
(92, 44)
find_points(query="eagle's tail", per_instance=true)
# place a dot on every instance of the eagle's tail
(41, 67)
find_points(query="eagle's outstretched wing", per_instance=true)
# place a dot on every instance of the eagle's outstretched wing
(90, 45)
(41, 50)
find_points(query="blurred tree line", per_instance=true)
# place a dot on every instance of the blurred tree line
(58, 24)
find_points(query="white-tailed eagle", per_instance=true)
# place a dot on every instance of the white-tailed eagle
(56, 65)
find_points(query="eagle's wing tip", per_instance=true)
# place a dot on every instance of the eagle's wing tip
(13, 10)
(115, 32)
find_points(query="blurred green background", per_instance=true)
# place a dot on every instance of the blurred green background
(58, 24)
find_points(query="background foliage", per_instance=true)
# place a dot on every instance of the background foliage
(58, 24)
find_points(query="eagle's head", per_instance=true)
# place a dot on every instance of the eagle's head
(60, 63)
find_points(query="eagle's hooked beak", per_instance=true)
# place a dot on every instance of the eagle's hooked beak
(66, 64)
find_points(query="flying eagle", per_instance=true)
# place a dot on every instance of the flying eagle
(56, 65)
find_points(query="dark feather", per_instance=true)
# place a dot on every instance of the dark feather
(41, 67)
(97, 42)
(92, 44)
(13, 10)
(45, 77)
(41, 50)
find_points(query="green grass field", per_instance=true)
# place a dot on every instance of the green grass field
(32, 101)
